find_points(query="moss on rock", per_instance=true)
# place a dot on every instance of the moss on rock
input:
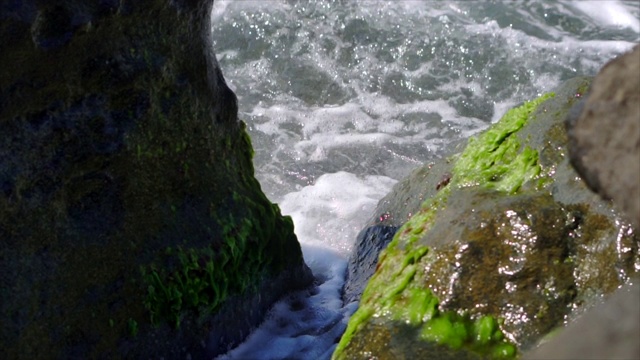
(496, 159)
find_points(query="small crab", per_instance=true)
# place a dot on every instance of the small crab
(384, 217)
(444, 181)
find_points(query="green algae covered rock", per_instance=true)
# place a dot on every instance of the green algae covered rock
(507, 245)
(131, 225)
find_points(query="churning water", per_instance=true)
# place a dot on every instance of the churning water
(344, 98)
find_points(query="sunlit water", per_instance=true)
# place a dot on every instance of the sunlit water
(344, 98)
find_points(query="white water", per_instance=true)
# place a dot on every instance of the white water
(344, 98)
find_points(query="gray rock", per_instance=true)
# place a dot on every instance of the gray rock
(610, 330)
(605, 137)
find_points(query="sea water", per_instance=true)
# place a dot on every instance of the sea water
(344, 98)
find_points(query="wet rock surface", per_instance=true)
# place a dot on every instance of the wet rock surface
(604, 133)
(507, 234)
(131, 225)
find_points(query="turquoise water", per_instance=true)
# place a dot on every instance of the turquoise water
(344, 98)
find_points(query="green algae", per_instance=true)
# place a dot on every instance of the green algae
(397, 272)
(198, 284)
(199, 280)
(494, 160)
(132, 325)
(482, 335)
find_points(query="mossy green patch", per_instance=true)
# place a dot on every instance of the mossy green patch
(495, 160)
(133, 327)
(481, 335)
(200, 280)
(196, 283)
(398, 272)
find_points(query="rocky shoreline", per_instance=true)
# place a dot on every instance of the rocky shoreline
(131, 224)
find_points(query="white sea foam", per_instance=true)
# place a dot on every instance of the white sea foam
(305, 324)
(609, 13)
(332, 211)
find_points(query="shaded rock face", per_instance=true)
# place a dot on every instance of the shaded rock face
(363, 260)
(508, 244)
(605, 134)
(607, 331)
(130, 221)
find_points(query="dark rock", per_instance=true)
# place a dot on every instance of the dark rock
(605, 136)
(52, 27)
(499, 245)
(131, 225)
(363, 260)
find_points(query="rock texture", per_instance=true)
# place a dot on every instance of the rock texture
(608, 331)
(506, 244)
(605, 136)
(391, 213)
(131, 225)
(364, 259)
